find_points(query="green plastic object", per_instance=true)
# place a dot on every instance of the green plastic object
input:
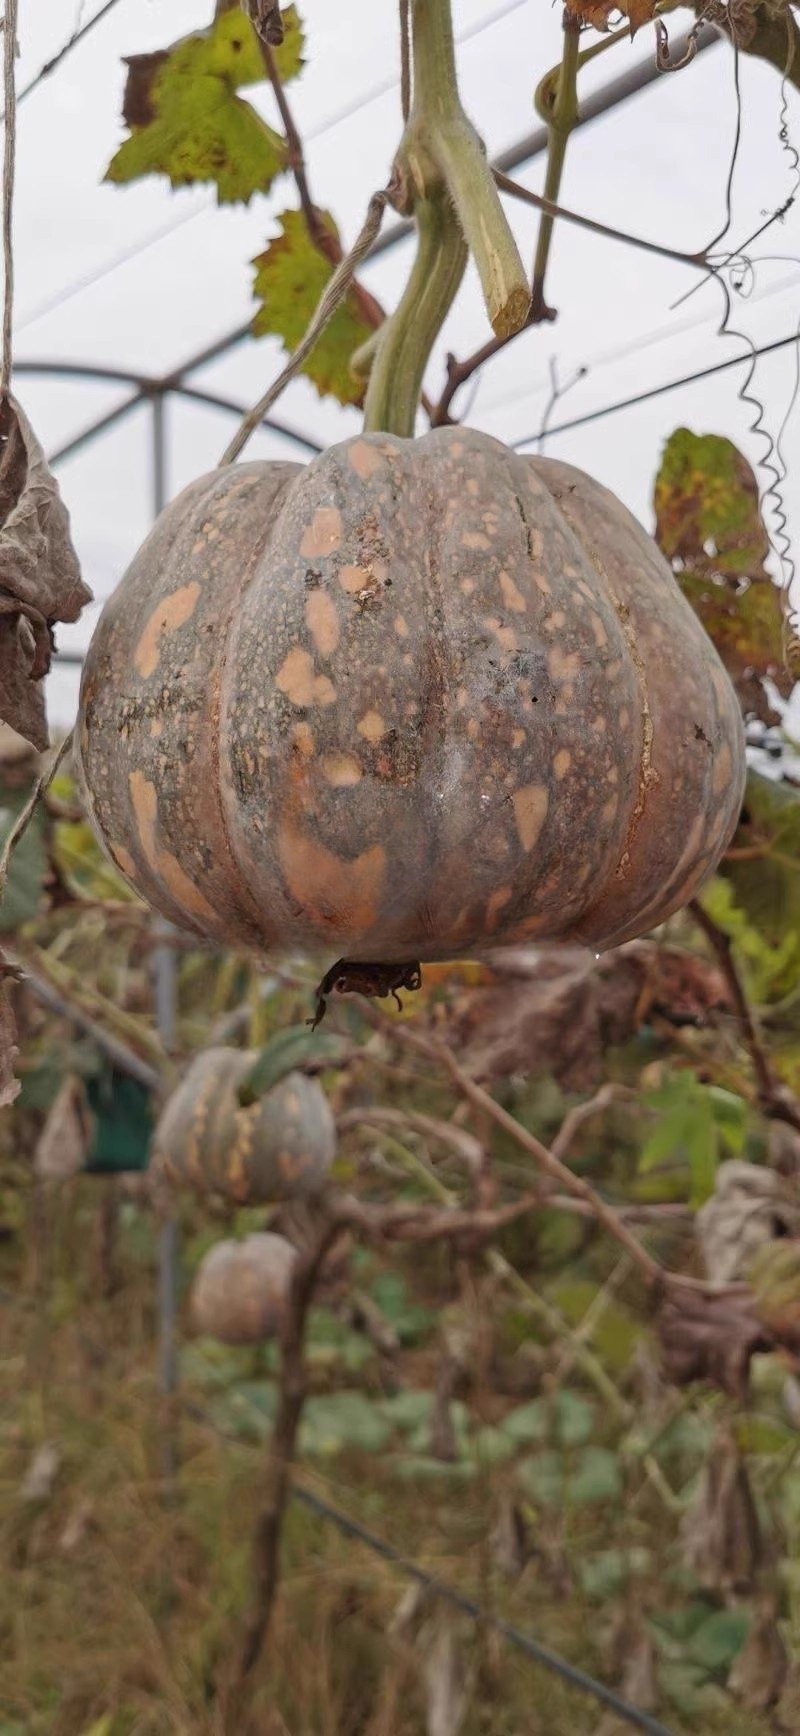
(123, 1124)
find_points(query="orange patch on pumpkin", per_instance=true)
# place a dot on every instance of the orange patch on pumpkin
(324, 533)
(340, 769)
(335, 894)
(171, 613)
(530, 810)
(322, 622)
(495, 904)
(165, 867)
(298, 680)
(371, 726)
(512, 597)
(364, 458)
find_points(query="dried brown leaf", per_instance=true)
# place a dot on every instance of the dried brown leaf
(597, 13)
(9, 1086)
(722, 1538)
(759, 1673)
(40, 580)
(63, 1142)
(710, 1337)
(750, 1206)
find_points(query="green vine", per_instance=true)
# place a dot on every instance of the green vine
(442, 175)
(408, 338)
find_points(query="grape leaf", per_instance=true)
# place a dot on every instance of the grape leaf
(290, 277)
(709, 526)
(186, 119)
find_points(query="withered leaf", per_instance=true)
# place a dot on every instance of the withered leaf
(9, 1086)
(40, 581)
(750, 1207)
(760, 1671)
(722, 1537)
(64, 1140)
(710, 527)
(597, 13)
(711, 1337)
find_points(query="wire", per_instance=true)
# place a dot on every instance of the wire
(656, 391)
(9, 161)
(71, 42)
(88, 281)
(532, 1648)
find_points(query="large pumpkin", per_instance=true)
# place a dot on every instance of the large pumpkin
(240, 1289)
(280, 1147)
(418, 699)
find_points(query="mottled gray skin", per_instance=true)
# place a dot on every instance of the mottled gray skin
(241, 1289)
(417, 700)
(281, 1147)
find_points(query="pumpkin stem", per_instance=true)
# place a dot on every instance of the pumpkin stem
(406, 341)
(439, 131)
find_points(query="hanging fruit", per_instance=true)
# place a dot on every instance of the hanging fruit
(417, 700)
(240, 1290)
(280, 1147)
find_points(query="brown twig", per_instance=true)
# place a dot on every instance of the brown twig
(27, 812)
(466, 1147)
(293, 1388)
(458, 372)
(321, 235)
(775, 1098)
(334, 293)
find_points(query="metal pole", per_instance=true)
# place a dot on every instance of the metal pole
(598, 103)
(165, 964)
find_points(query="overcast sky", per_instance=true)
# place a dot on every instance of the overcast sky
(657, 166)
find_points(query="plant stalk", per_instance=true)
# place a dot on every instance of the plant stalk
(408, 337)
(440, 130)
(560, 110)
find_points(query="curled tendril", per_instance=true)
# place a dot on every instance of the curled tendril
(663, 61)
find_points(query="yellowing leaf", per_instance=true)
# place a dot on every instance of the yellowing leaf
(709, 525)
(290, 278)
(186, 119)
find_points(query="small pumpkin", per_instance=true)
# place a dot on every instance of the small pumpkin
(241, 1288)
(280, 1147)
(417, 700)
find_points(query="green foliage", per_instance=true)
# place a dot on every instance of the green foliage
(291, 275)
(186, 120)
(288, 1049)
(23, 888)
(695, 1125)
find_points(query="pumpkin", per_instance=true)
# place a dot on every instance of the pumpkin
(280, 1147)
(416, 700)
(240, 1289)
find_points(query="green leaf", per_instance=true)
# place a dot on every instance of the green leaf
(407, 1410)
(286, 1051)
(709, 525)
(542, 1478)
(290, 277)
(596, 1477)
(529, 1422)
(410, 1319)
(338, 1420)
(188, 123)
(573, 1418)
(685, 1131)
(489, 1446)
(715, 1644)
(28, 866)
